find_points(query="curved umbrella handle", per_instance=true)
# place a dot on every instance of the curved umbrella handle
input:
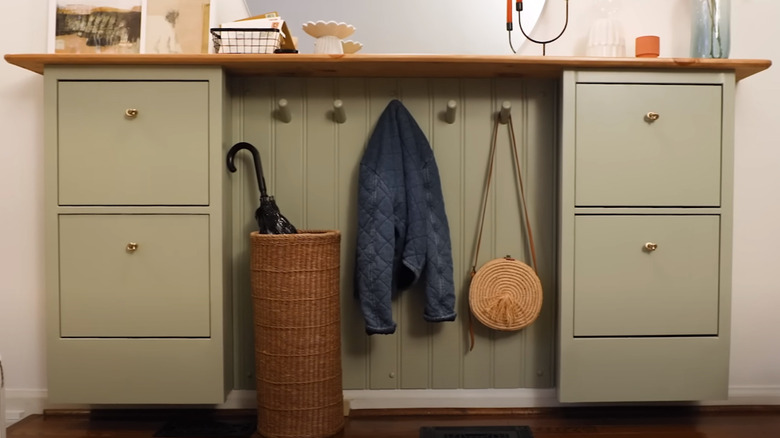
(258, 164)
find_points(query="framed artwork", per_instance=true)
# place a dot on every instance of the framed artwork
(177, 26)
(95, 26)
(130, 26)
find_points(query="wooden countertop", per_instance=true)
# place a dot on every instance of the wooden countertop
(357, 65)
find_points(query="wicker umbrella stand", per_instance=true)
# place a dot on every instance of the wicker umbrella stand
(297, 320)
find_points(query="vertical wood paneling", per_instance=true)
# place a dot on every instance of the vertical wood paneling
(254, 108)
(288, 180)
(478, 114)
(414, 332)
(540, 114)
(352, 138)
(446, 339)
(320, 155)
(509, 234)
(384, 350)
(312, 167)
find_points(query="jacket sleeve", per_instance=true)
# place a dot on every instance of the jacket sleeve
(375, 246)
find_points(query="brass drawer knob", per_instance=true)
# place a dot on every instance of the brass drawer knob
(131, 247)
(652, 117)
(650, 246)
(131, 113)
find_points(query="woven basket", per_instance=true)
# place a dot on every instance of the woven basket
(505, 294)
(297, 319)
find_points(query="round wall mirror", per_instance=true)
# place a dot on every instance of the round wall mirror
(411, 26)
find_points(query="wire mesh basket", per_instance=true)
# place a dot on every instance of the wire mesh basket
(246, 40)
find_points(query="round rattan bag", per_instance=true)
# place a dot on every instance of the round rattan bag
(505, 294)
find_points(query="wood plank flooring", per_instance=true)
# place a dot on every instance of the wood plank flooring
(606, 422)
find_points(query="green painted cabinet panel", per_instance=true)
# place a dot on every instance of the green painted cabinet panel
(158, 289)
(623, 288)
(160, 156)
(135, 371)
(625, 158)
(645, 369)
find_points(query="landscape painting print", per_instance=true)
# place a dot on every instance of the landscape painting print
(97, 26)
(176, 26)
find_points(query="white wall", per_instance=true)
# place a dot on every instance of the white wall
(755, 372)
(21, 202)
(406, 26)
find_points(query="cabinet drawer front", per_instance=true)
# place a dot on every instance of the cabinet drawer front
(624, 289)
(159, 290)
(624, 158)
(157, 157)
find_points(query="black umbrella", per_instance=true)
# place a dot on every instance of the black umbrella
(269, 219)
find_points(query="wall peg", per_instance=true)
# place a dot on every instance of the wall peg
(506, 111)
(283, 111)
(452, 107)
(339, 115)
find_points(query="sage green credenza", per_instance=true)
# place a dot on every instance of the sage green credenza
(629, 180)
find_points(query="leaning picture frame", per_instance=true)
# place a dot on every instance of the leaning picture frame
(177, 26)
(95, 26)
(130, 26)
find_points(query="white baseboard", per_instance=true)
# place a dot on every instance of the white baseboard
(751, 395)
(240, 399)
(450, 398)
(12, 416)
(20, 403)
(521, 398)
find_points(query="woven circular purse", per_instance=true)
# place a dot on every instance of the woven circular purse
(505, 294)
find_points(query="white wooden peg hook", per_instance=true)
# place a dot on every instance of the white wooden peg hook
(506, 111)
(339, 115)
(452, 108)
(283, 111)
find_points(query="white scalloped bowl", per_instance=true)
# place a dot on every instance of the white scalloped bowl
(319, 29)
(350, 46)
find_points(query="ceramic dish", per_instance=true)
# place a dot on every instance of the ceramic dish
(350, 46)
(320, 29)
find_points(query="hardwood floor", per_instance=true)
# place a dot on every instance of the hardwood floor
(606, 422)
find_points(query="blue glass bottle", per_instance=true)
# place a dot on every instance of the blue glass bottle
(711, 28)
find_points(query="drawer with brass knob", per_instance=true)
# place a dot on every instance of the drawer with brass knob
(134, 275)
(133, 143)
(646, 275)
(648, 145)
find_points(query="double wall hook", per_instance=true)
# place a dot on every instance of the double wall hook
(505, 112)
(449, 115)
(339, 115)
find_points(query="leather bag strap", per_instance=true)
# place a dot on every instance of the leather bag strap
(484, 207)
(487, 191)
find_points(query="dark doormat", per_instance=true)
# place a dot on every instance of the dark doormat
(207, 428)
(476, 432)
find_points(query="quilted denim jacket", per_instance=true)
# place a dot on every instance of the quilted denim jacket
(403, 235)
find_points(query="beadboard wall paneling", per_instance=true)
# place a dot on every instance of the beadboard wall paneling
(311, 166)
